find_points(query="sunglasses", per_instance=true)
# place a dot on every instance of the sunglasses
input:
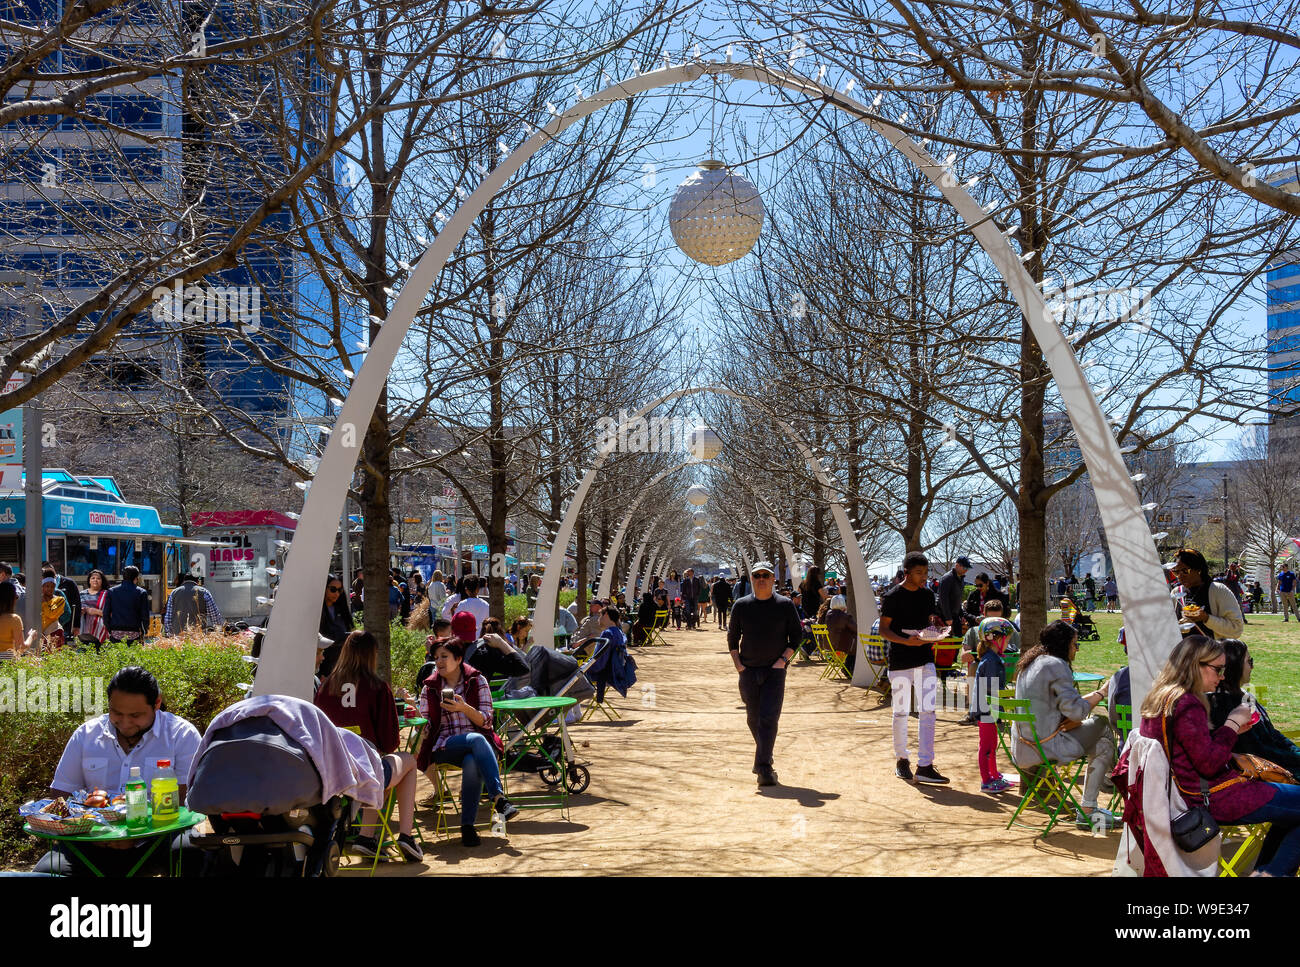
(1218, 669)
(335, 590)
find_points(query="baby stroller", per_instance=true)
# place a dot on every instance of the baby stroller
(1086, 628)
(262, 794)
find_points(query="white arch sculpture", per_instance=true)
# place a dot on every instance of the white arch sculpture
(616, 545)
(611, 555)
(548, 593)
(286, 663)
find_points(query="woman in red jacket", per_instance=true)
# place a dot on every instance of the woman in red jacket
(357, 699)
(1176, 713)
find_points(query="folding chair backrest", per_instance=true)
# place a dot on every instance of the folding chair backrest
(1124, 720)
(874, 647)
(661, 620)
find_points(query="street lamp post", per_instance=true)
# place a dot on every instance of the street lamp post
(1225, 523)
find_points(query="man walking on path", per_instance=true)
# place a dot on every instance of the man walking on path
(952, 594)
(765, 632)
(905, 610)
(722, 601)
(1286, 591)
(690, 595)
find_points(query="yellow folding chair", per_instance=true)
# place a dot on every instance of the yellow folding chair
(874, 650)
(655, 637)
(446, 805)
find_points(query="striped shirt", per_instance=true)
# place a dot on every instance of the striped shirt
(455, 723)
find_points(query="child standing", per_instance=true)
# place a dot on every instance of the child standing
(990, 677)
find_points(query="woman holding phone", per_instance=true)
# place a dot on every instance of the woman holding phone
(457, 702)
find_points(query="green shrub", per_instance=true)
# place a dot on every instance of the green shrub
(199, 678)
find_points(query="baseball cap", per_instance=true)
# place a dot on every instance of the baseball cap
(964, 561)
(762, 566)
(463, 625)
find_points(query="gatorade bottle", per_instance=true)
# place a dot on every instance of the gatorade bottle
(166, 794)
(137, 801)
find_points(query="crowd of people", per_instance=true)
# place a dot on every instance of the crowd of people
(1197, 716)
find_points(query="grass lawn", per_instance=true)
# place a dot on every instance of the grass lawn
(1274, 646)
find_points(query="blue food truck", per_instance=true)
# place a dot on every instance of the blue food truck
(88, 524)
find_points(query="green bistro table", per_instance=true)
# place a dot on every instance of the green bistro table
(416, 725)
(536, 718)
(118, 833)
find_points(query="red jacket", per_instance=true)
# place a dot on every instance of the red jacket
(473, 682)
(1196, 752)
(372, 711)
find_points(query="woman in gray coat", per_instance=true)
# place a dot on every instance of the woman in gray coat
(1065, 721)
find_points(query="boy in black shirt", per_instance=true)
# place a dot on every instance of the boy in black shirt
(905, 609)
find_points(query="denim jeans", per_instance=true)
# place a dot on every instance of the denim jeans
(763, 692)
(1283, 841)
(478, 763)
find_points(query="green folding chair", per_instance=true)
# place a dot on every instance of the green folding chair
(1124, 722)
(446, 805)
(1044, 785)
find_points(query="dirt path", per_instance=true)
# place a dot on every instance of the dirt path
(672, 792)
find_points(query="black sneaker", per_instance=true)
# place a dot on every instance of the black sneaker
(364, 846)
(410, 848)
(969, 720)
(767, 777)
(903, 770)
(469, 836)
(505, 808)
(930, 775)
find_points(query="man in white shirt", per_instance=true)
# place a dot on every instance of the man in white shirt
(99, 755)
(471, 602)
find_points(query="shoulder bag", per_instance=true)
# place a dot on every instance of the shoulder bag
(1257, 767)
(1194, 828)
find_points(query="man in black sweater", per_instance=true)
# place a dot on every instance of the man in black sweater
(905, 610)
(765, 632)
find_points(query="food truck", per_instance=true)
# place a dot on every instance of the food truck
(232, 551)
(86, 524)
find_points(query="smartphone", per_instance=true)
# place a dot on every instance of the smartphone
(448, 695)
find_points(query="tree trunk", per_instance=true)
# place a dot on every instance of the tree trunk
(580, 530)
(376, 512)
(1033, 496)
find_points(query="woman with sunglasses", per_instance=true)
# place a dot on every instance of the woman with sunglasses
(335, 622)
(1261, 739)
(1176, 713)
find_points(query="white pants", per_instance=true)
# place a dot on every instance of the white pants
(925, 683)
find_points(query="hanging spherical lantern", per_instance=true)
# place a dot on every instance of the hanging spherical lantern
(697, 495)
(699, 518)
(716, 215)
(703, 443)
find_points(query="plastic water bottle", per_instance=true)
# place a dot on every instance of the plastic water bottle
(165, 793)
(137, 801)
(498, 824)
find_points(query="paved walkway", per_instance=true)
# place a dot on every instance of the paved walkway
(672, 793)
